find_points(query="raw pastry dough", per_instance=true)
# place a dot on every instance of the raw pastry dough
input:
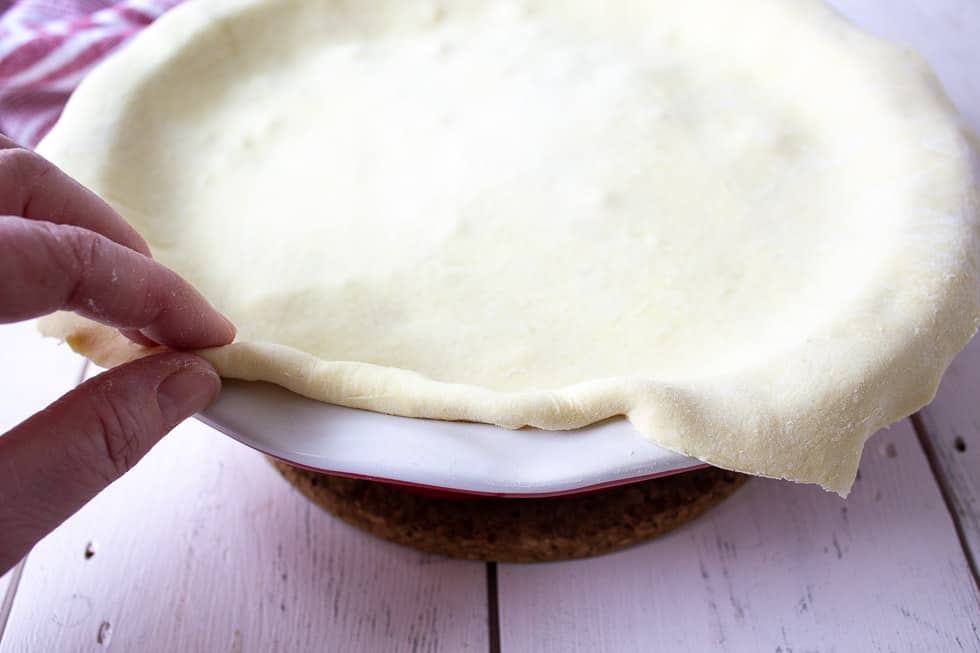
(746, 226)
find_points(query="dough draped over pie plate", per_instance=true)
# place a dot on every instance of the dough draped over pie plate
(746, 226)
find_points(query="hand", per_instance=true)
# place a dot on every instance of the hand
(62, 248)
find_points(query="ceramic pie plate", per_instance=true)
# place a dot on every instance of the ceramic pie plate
(457, 456)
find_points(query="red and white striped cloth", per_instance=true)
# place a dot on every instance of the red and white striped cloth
(47, 47)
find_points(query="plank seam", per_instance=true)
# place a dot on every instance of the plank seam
(6, 607)
(81, 375)
(493, 609)
(946, 491)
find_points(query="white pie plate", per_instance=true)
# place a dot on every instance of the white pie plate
(455, 456)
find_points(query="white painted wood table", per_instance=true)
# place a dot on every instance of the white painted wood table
(204, 548)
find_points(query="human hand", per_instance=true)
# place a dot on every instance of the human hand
(62, 248)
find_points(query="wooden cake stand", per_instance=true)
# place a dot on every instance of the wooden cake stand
(521, 529)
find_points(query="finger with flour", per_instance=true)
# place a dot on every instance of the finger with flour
(45, 267)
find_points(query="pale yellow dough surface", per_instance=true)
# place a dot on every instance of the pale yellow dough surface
(744, 225)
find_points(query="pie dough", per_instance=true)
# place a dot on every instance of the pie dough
(746, 226)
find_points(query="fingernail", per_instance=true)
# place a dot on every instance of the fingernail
(186, 392)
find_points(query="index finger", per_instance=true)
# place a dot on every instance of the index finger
(46, 267)
(33, 187)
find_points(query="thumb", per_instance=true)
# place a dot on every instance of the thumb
(56, 461)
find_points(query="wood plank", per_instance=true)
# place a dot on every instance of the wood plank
(778, 567)
(36, 372)
(951, 425)
(204, 547)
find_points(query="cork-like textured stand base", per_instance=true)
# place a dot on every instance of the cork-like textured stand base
(518, 530)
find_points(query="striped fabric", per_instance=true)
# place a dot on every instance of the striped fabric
(47, 47)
